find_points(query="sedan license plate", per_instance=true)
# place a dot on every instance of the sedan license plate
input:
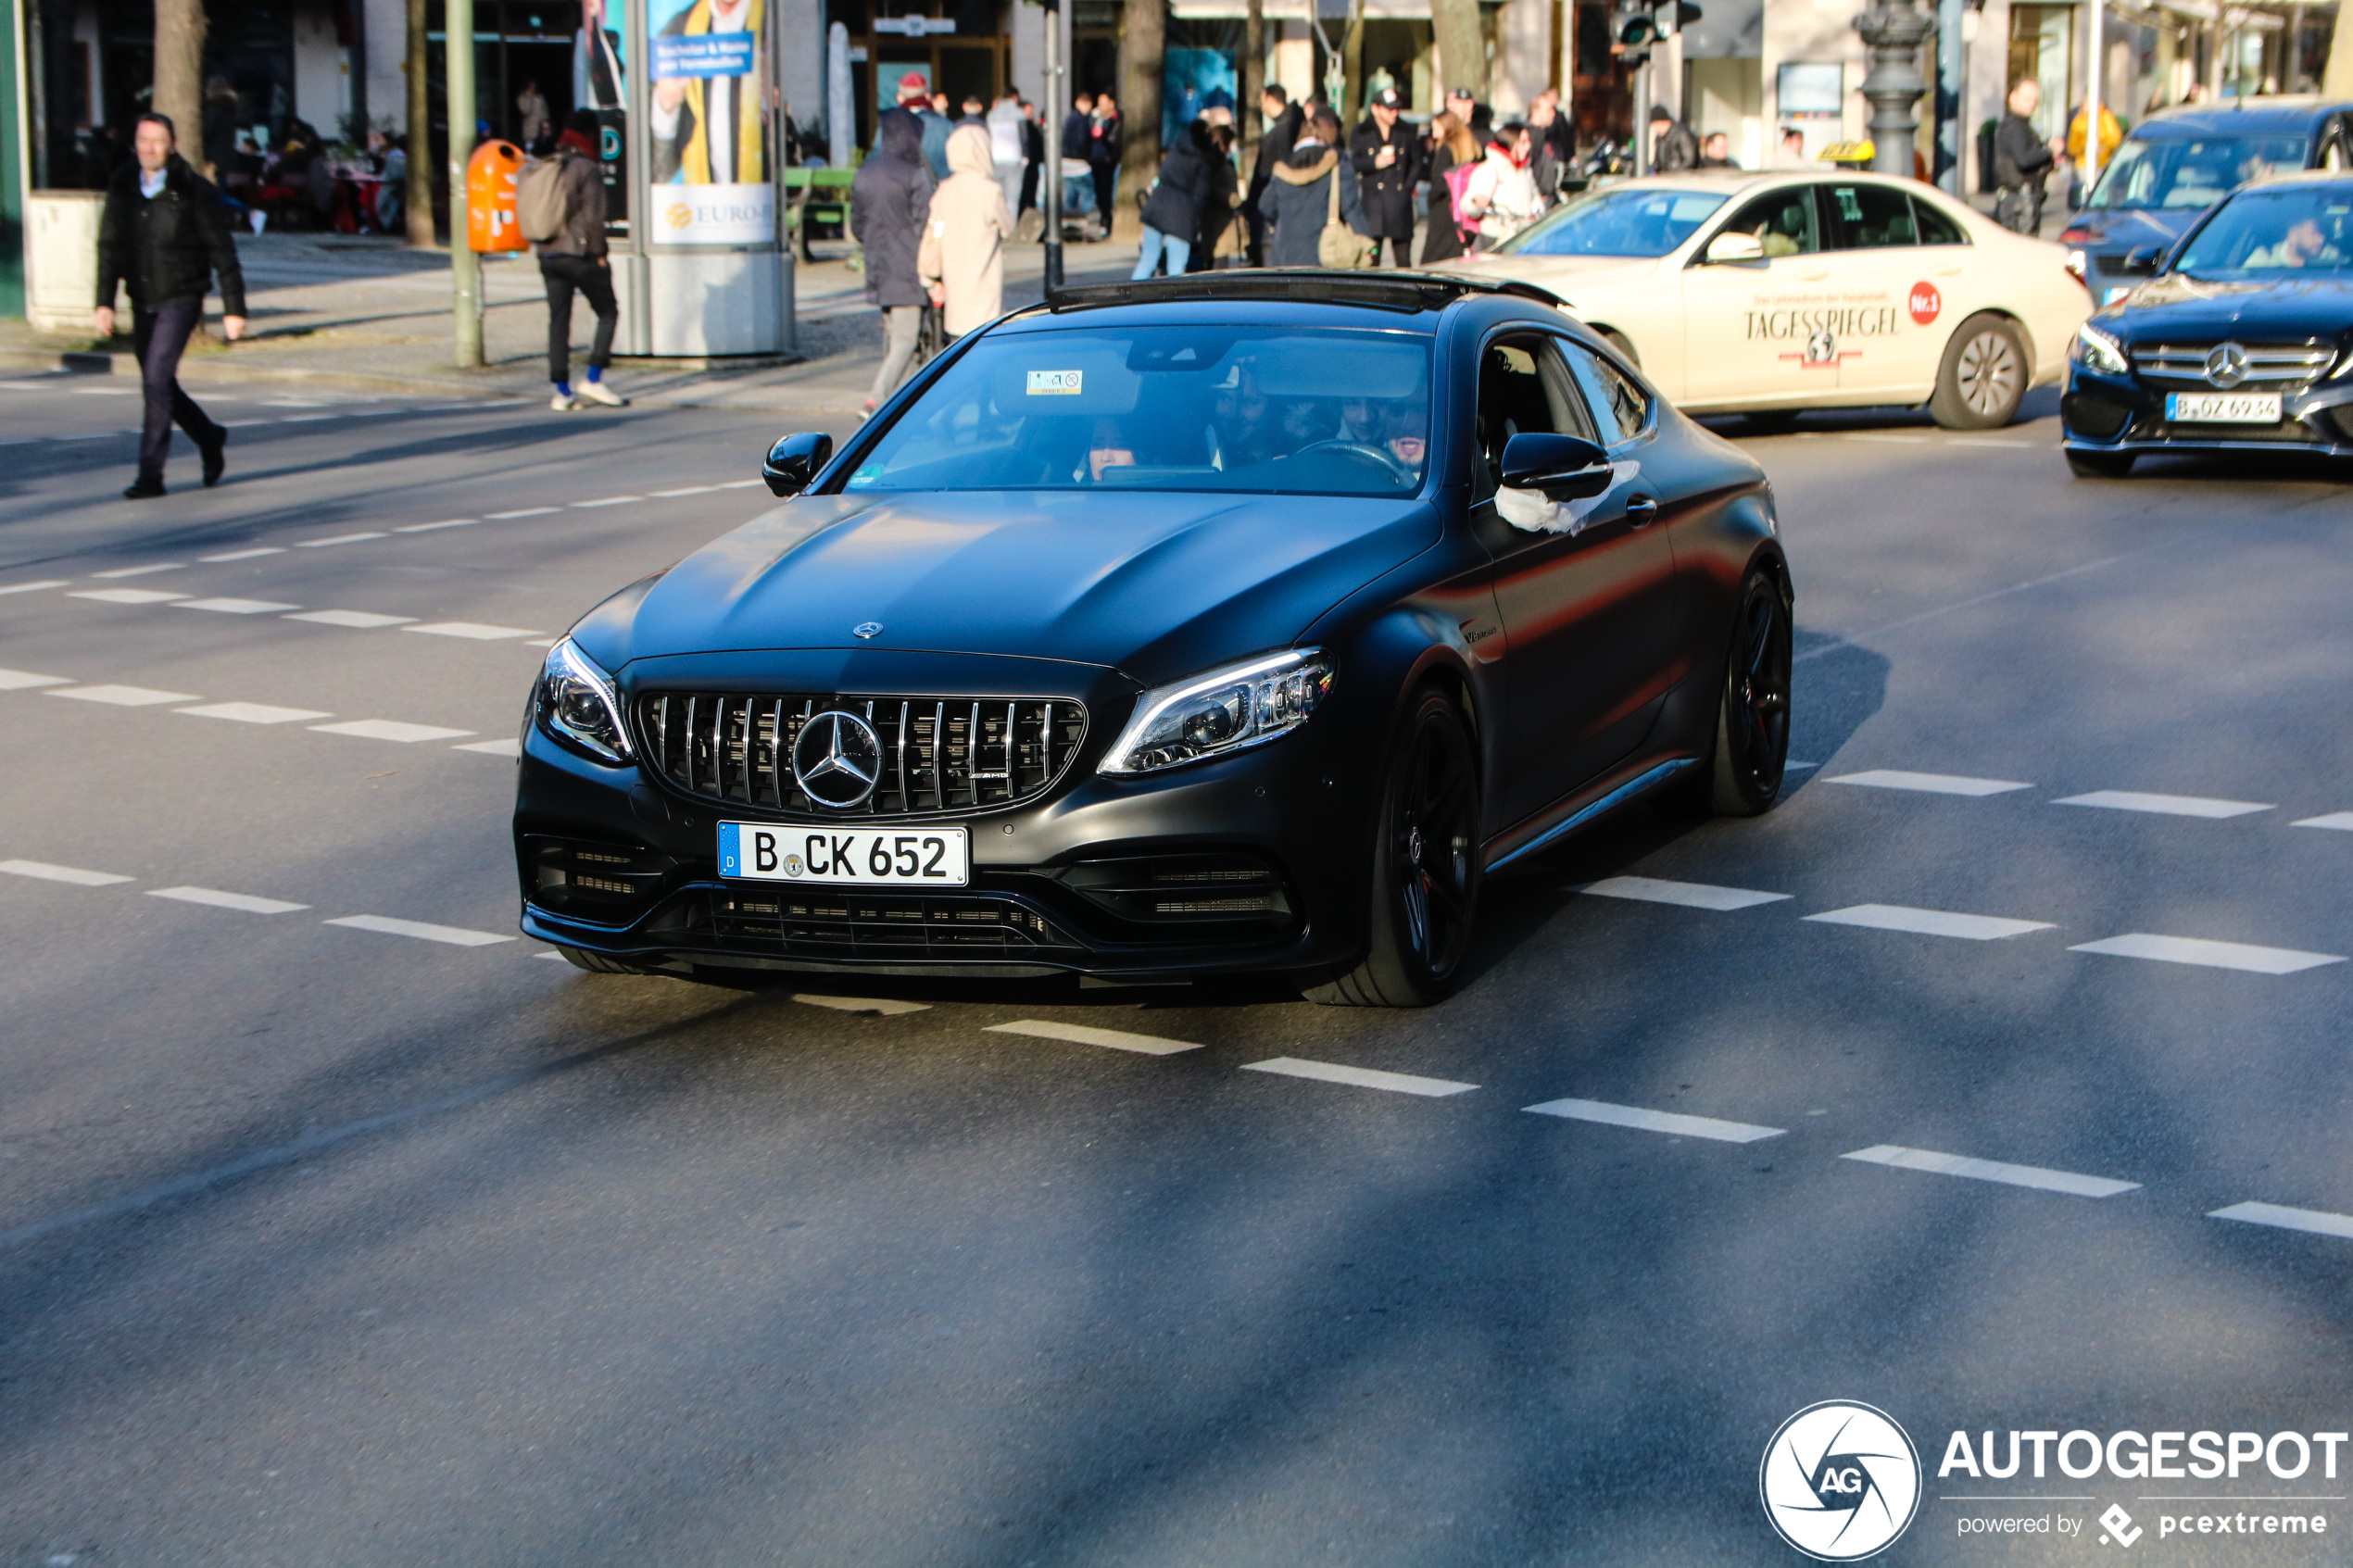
(2222, 407)
(865, 856)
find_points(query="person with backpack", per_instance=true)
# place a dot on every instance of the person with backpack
(560, 203)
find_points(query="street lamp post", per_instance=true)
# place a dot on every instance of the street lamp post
(1057, 105)
(1894, 30)
(465, 268)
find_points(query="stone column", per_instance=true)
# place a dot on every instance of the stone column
(1894, 30)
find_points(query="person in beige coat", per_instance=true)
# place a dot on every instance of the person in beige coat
(962, 259)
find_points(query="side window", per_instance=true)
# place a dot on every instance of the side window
(1620, 406)
(1782, 221)
(1523, 390)
(1872, 217)
(1934, 227)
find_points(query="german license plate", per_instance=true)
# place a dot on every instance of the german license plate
(2222, 407)
(866, 857)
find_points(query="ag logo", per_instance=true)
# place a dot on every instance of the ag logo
(1925, 303)
(1821, 348)
(1841, 1481)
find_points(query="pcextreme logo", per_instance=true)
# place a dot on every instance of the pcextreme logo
(1840, 1481)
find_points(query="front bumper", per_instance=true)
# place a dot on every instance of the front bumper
(1260, 862)
(2122, 413)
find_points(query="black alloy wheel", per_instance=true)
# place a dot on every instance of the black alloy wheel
(1744, 777)
(1426, 870)
(2100, 465)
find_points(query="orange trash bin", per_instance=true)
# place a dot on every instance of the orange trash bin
(491, 222)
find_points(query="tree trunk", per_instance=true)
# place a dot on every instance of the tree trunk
(1352, 71)
(2338, 78)
(418, 196)
(1462, 48)
(179, 78)
(1143, 44)
(1246, 123)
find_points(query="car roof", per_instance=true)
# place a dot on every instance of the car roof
(1392, 292)
(2298, 112)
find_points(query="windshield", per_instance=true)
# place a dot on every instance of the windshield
(1617, 222)
(2179, 171)
(1264, 411)
(2296, 229)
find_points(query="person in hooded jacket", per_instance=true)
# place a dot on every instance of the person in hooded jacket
(890, 208)
(1298, 200)
(1171, 213)
(1217, 203)
(962, 256)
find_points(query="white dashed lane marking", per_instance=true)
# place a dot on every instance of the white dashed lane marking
(1990, 1171)
(220, 900)
(235, 607)
(251, 712)
(2319, 1222)
(2163, 805)
(526, 511)
(1673, 1124)
(1088, 1035)
(606, 501)
(25, 679)
(430, 527)
(883, 1007)
(686, 489)
(48, 873)
(508, 747)
(124, 696)
(2207, 955)
(1928, 784)
(141, 570)
(127, 595)
(1930, 923)
(389, 729)
(246, 555)
(1689, 895)
(2341, 821)
(362, 619)
(336, 539)
(35, 587)
(473, 630)
(1361, 1077)
(456, 937)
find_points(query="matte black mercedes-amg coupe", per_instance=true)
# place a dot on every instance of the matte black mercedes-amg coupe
(1239, 622)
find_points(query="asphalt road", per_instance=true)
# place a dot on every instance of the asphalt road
(339, 1224)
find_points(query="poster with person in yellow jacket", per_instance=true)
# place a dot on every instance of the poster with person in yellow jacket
(713, 89)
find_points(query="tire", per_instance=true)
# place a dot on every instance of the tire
(1985, 376)
(1742, 774)
(2100, 465)
(596, 963)
(1426, 870)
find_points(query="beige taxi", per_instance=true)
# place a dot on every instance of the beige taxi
(1766, 293)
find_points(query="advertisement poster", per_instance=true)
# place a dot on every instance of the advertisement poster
(599, 82)
(709, 123)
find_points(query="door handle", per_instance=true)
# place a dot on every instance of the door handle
(1641, 510)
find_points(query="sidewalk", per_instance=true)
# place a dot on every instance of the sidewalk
(368, 314)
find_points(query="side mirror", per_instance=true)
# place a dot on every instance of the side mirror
(794, 461)
(1733, 246)
(1565, 468)
(2141, 263)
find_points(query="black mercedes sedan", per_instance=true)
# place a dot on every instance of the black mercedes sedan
(1240, 622)
(2178, 162)
(2243, 341)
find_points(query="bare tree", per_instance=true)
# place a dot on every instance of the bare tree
(1462, 46)
(1143, 52)
(179, 79)
(418, 199)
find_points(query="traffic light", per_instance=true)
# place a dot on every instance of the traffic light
(1685, 15)
(1637, 29)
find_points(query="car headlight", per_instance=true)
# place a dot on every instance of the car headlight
(1241, 705)
(2075, 267)
(576, 706)
(2101, 351)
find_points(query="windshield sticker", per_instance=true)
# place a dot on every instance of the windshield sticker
(1056, 383)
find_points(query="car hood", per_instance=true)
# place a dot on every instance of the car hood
(1154, 584)
(2131, 228)
(2175, 307)
(1565, 275)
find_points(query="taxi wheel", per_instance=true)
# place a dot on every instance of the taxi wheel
(1983, 376)
(2100, 465)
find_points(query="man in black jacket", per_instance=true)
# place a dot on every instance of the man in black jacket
(1388, 163)
(1283, 120)
(889, 205)
(165, 235)
(2021, 159)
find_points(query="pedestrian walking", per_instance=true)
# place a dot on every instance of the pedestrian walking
(1005, 123)
(532, 121)
(164, 236)
(565, 200)
(2021, 161)
(1388, 158)
(1452, 155)
(1033, 154)
(1673, 147)
(1298, 200)
(1104, 147)
(1500, 196)
(1217, 208)
(1172, 211)
(1283, 119)
(890, 209)
(961, 259)
(1471, 112)
(915, 104)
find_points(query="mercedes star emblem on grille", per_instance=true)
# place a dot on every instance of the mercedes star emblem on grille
(838, 758)
(865, 628)
(2226, 366)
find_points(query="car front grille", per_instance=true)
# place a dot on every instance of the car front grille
(2269, 366)
(938, 754)
(851, 924)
